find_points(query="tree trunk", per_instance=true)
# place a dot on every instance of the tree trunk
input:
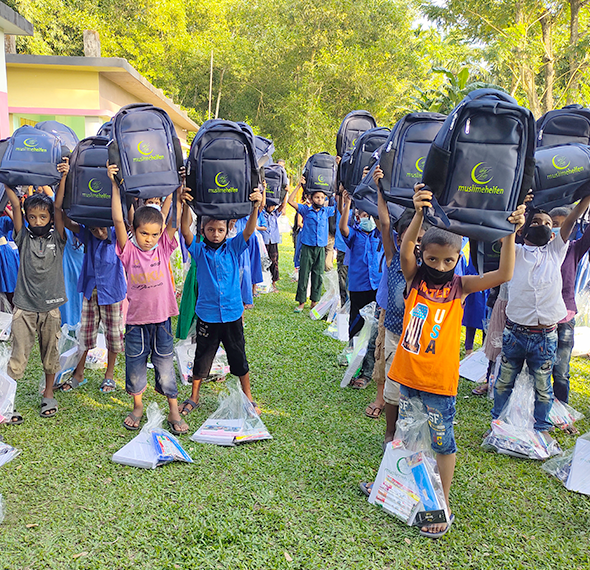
(546, 21)
(527, 75)
(219, 94)
(573, 75)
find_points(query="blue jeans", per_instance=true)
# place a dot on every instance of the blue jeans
(538, 350)
(141, 341)
(561, 368)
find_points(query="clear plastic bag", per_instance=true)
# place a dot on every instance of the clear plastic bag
(411, 428)
(68, 347)
(235, 420)
(7, 453)
(2, 509)
(338, 329)
(562, 415)
(185, 356)
(7, 386)
(361, 343)
(330, 300)
(581, 340)
(561, 466)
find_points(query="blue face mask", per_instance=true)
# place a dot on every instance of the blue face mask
(556, 231)
(367, 224)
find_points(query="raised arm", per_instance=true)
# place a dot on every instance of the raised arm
(385, 221)
(291, 199)
(64, 168)
(171, 227)
(116, 208)
(343, 224)
(166, 206)
(17, 212)
(186, 219)
(569, 222)
(408, 260)
(256, 199)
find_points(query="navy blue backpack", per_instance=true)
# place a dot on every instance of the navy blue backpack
(264, 150)
(561, 126)
(106, 130)
(351, 128)
(87, 197)
(274, 174)
(479, 167)
(146, 150)
(3, 198)
(30, 157)
(222, 170)
(67, 136)
(320, 173)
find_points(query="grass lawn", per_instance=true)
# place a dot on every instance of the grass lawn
(289, 503)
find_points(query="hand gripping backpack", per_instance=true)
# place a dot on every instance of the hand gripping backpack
(320, 174)
(30, 157)
(479, 167)
(67, 136)
(402, 159)
(274, 176)
(351, 128)
(87, 198)
(562, 175)
(222, 170)
(146, 150)
(561, 126)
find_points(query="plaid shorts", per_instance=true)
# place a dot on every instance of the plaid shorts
(112, 319)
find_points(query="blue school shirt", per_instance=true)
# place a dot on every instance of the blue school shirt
(271, 222)
(109, 280)
(315, 224)
(218, 276)
(364, 272)
(339, 244)
(396, 304)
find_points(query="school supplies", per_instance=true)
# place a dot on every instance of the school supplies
(570, 124)
(320, 174)
(7, 453)
(475, 366)
(167, 448)
(235, 421)
(351, 128)
(562, 415)
(185, 357)
(5, 325)
(330, 300)
(361, 343)
(560, 466)
(7, 395)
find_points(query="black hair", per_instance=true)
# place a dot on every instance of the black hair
(562, 211)
(406, 219)
(442, 237)
(42, 201)
(208, 219)
(147, 215)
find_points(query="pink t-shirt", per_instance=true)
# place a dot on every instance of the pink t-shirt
(149, 284)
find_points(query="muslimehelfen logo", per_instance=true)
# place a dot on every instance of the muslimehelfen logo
(321, 182)
(222, 185)
(30, 145)
(97, 190)
(562, 165)
(146, 153)
(481, 176)
(419, 166)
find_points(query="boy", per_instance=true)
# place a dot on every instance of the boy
(40, 288)
(152, 301)
(268, 226)
(219, 306)
(314, 239)
(535, 306)
(426, 363)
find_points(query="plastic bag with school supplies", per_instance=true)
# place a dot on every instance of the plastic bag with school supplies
(361, 343)
(338, 328)
(2, 509)
(235, 421)
(578, 458)
(330, 300)
(148, 452)
(185, 357)
(562, 415)
(7, 453)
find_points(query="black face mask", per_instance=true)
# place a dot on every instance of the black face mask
(41, 231)
(538, 235)
(438, 277)
(213, 245)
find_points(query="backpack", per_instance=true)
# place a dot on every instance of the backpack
(351, 128)
(106, 130)
(562, 175)
(3, 199)
(222, 170)
(485, 255)
(30, 157)
(402, 160)
(560, 126)
(479, 167)
(67, 136)
(320, 174)
(87, 198)
(146, 150)
(274, 175)
(264, 150)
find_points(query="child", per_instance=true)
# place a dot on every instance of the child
(40, 288)
(152, 301)
(314, 238)
(103, 286)
(535, 306)
(269, 228)
(426, 364)
(8, 256)
(219, 306)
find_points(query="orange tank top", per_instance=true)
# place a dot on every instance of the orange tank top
(427, 357)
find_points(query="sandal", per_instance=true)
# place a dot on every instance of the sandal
(360, 383)
(366, 488)
(435, 535)
(136, 421)
(71, 384)
(16, 419)
(480, 390)
(373, 411)
(108, 385)
(185, 411)
(173, 426)
(48, 407)
(256, 408)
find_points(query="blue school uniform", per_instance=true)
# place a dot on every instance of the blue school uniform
(315, 224)
(364, 271)
(71, 311)
(9, 258)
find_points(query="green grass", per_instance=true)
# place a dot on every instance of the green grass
(295, 497)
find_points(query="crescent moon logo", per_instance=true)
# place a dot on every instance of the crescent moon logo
(221, 180)
(353, 142)
(95, 185)
(420, 164)
(321, 178)
(146, 149)
(399, 464)
(559, 161)
(496, 247)
(30, 142)
(481, 170)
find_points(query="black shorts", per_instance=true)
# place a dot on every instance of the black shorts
(209, 335)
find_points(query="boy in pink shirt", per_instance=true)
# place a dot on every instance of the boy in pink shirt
(150, 291)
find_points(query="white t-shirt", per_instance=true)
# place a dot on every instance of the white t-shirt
(534, 295)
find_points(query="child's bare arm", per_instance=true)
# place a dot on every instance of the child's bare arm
(17, 213)
(256, 199)
(166, 206)
(343, 224)
(116, 208)
(186, 219)
(171, 227)
(491, 279)
(569, 222)
(408, 260)
(68, 223)
(291, 199)
(64, 168)
(385, 226)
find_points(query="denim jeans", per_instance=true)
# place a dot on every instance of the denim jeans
(141, 341)
(537, 349)
(561, 368)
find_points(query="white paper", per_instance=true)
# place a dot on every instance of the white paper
(5, 324)
(474, 367)
(7, 395)
(579, 477)
(139, 452)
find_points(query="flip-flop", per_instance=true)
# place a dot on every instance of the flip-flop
(375, 412)
(256, 408)
(435, 535)
(360, 383)
(108, 383)
(48, 407)
(192, 404)
(135, 419)
(16, 419)
(298, 310)
(72, 383)
(364, 487)
(174, 424)
(481, 390)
